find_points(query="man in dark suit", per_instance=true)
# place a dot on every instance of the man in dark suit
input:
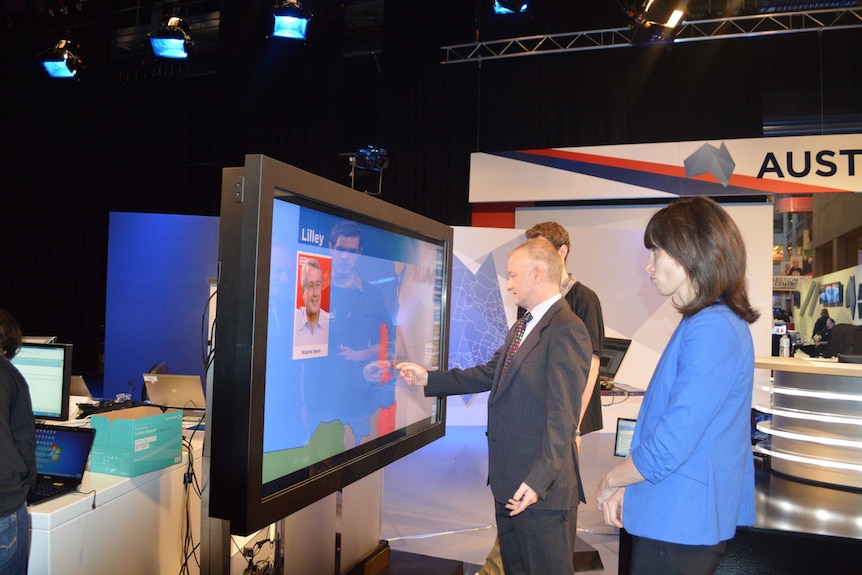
(536, 389)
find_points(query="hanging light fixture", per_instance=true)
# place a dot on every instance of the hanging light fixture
(510, 6)
(656, 21)
(290, 20)
(61, 61)
(172, 40)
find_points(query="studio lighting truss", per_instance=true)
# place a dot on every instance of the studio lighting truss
(61, 61)
(290, 20)
(510, 6)
(173, 40)
(656, 21)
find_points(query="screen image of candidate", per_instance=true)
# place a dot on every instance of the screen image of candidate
(361, 298)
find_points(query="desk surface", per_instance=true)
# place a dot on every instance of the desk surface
(96, 490)
(623, 390)
(814, 365)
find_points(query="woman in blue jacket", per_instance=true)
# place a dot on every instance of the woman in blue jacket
(689, 479)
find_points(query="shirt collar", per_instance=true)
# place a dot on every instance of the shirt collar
(567, 284)
(539, 310)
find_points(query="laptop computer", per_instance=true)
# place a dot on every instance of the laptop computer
(61, 459)
(184, 392)
(612, 357)
(78, 387)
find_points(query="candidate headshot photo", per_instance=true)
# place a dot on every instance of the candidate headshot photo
(311, 323)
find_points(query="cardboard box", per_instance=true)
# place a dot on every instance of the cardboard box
(137, 440)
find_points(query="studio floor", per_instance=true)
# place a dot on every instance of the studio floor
(436, 501)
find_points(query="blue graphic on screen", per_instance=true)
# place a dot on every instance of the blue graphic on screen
(375, 298)
(477, 324)
(61, 454)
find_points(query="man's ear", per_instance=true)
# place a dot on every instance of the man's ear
(563, 251)
(538, 274)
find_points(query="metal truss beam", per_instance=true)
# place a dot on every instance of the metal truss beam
(694, 31)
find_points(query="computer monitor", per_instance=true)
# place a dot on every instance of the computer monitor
(47, 368)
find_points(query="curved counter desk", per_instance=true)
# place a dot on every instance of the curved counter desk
(816, 427)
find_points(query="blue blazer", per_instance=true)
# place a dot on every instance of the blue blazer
(692, 441)
(533, 410)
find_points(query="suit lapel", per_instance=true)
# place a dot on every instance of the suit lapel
(530, 342)
(502, 359)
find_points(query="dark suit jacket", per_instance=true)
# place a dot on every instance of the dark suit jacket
(533, 410)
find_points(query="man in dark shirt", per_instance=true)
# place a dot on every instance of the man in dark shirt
(821, 345)
(585, 303)
(17, 453)
(820, 324)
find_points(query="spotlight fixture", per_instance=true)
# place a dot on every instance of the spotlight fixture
(510, 6)
(656, 21)
(370, 160)
(172, 40)
(60, 61)
(291, 20)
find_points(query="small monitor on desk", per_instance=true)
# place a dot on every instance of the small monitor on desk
(47, 368)
(613, 353)
(625, 432)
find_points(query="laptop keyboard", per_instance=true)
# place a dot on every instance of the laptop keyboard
(49, 489)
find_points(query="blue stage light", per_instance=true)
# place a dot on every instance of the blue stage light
(172, 40)
(291, 20)
(510, 6)
(60, 61)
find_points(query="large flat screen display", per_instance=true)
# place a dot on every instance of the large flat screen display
(47, 367)
(322, 290)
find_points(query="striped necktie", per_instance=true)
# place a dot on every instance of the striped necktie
(516, 343)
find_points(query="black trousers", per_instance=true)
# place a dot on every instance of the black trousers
(536, 542)
(653, 557)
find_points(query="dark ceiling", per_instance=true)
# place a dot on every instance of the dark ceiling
(112, 34)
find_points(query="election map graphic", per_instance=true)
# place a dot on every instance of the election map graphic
(478, 321)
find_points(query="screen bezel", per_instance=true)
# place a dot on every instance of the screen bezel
(63, 415)
(238, 390)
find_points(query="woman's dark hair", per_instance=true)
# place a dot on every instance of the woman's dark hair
(704, 240)
(10, 334)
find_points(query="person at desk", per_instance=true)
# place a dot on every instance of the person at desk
(821, 340)
(688, 481)
(536, 380)
(820, 324)
(17, 453)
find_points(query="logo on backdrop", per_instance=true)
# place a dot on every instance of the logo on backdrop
(710, 160)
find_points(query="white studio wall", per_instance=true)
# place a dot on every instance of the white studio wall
(608, 255)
